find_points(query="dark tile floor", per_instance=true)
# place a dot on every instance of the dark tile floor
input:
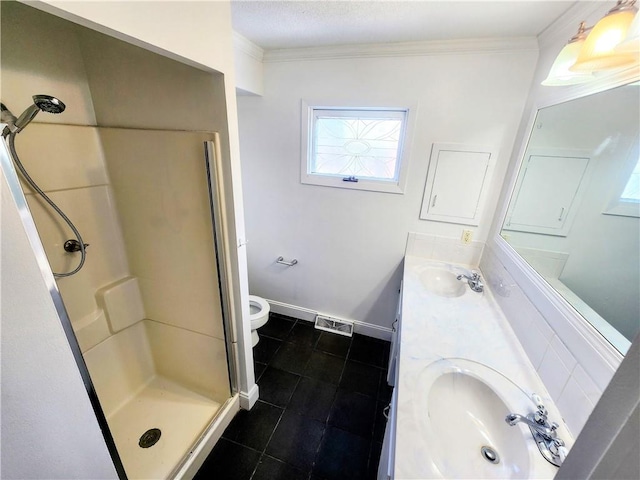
(319, 416)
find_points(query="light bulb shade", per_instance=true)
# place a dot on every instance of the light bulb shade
(598, 51)
(560, 73)
(631, 44)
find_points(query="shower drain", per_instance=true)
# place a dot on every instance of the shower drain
(490, 455)
(150, 438)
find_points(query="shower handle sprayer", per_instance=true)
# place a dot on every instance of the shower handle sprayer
(49, 104)
(44, 103)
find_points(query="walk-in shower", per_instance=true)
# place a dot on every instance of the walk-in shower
(146, 318)
(48, 104)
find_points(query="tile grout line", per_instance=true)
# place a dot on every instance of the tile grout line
(325, 423)
(284, 409)
(264, 451)
(335, 395)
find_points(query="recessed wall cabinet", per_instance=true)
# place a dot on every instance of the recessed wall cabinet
(548, 192)
(457, 183)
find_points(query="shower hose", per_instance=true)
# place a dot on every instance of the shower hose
(34, 185)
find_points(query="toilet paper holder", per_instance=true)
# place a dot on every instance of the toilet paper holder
(282, 261)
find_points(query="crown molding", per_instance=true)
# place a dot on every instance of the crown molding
(566, 25)
(406, 49)
(246, 46)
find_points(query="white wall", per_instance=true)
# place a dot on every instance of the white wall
(249, 67)
(198, 33)
(350, 244)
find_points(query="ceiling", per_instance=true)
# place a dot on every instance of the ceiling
(280, 24)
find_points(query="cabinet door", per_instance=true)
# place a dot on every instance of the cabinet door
(388, 453)
(548, 193)
(456, 183)
(393, 351)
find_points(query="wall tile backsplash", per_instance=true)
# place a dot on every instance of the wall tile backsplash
(553, 373)
(574, 387)
(444, 249)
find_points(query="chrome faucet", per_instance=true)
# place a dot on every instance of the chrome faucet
(544, 433)
(474, 281)
(544, 429)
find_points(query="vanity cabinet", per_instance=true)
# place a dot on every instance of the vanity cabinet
(457, 183)
(387, 456)
(393, 351)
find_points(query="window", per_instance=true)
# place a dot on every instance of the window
(358, 148)
(626, 202)
(631, 192)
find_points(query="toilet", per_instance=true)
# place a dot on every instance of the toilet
(259, 314)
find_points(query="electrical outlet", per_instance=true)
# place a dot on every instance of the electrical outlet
(467, 236)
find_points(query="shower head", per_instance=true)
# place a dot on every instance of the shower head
(46, 103)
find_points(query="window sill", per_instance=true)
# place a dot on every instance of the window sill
(366, 185)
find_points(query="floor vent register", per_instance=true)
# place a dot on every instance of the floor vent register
(334, 325)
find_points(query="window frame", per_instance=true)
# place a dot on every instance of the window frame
(308, 113)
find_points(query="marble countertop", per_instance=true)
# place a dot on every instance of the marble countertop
(470, 326)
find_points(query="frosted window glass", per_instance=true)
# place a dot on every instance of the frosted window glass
(631, 192)
(360, 147)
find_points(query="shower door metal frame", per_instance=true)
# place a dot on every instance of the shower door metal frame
(29, 225)
(212, 157)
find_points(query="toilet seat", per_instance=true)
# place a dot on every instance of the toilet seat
(260, 317)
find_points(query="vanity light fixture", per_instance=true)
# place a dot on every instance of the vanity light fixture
(595, 49)
(560, 73)
(632, 42)
(598, 51)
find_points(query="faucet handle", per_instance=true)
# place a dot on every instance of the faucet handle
(537, 400)
(541, 414)
(562, 453)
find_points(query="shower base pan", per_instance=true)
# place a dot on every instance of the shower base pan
(180, 414)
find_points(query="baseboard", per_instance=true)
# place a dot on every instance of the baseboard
(294, 311)
(301, 313)
(370, 330)
(248, 399)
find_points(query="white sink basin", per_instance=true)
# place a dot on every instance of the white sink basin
(461, 414)
(442, 282)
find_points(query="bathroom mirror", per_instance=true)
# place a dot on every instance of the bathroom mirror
(574, 213)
